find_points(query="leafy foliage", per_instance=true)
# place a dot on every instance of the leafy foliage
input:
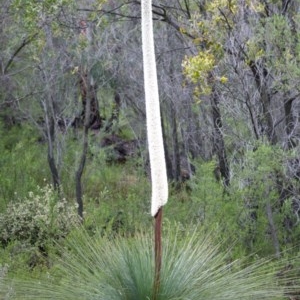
(198, 68)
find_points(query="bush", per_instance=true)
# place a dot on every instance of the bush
(37, 219)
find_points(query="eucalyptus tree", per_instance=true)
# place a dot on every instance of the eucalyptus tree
(51, 72)
(125, 69)
(44, 96)
(248, 51)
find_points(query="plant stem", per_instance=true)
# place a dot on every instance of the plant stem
(157, 251)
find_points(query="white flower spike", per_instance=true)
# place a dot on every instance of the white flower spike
(154, 130)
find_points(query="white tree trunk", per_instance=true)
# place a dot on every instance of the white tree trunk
(154, 130)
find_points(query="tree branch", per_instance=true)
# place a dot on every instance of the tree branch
(25, 42)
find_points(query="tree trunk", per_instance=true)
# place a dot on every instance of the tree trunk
(50, 111)
(273, 230)
(80, 169)
(50, 156)
(88, 89)
(266, 120)
(219, 144)
(50, 133)
(289, 123)
(176, 152)
(169, 165)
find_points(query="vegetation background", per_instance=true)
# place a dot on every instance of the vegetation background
(73, 137)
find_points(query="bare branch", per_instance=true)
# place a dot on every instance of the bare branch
(25, 42)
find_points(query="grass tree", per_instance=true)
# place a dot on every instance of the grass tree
(95, 268)
(154, 132)
(154, 129)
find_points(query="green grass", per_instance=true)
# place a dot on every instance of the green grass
(193, 268)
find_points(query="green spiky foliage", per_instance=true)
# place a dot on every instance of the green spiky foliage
(122, 269)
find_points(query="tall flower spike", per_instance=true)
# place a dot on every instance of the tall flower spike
(154, 131)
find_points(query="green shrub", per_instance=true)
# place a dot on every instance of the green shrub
(255, 187)
(37, 219)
